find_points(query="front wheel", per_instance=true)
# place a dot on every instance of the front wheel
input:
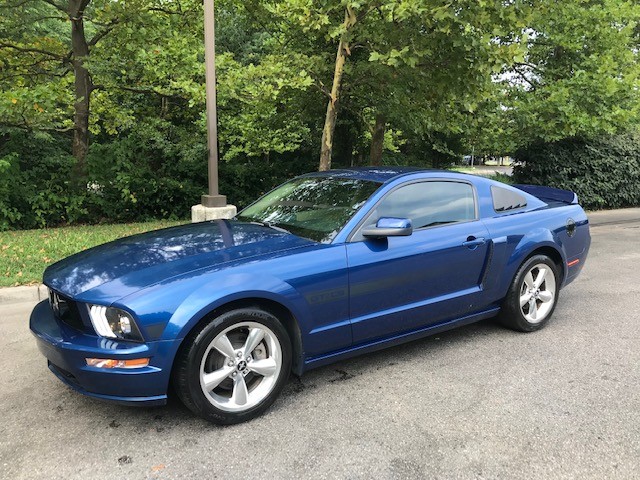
(532, 296)
(234, 368)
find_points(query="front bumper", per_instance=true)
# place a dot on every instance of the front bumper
(66, 350)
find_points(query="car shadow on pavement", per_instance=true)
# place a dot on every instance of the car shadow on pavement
(411, 355)
(423, 349)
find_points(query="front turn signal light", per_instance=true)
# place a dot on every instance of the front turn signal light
(113, 363)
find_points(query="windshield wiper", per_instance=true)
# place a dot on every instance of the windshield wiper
(267, 224)
(276, 226)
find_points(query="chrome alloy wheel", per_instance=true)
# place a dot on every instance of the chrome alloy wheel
(241, 366)
(537, 293)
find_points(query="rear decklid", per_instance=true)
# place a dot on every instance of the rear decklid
(550, 195)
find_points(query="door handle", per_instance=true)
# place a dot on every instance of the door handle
(472, 242)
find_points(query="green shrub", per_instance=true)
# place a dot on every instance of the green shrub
(244, 182)
(155, 171)
(502, 177)
(35, 183)
(160, 171)
(9, 214)
(131, 179)
(605, 172)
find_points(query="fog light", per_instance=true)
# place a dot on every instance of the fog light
(112, 363)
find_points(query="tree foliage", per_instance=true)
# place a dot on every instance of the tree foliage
(421, 82)
(580, 76)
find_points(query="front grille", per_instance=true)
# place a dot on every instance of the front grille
(66, 310)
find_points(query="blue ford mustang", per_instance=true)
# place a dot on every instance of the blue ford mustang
(327, 266)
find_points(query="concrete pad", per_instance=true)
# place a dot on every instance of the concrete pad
(200, 213)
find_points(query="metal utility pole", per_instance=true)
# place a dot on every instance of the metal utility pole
(213, 199)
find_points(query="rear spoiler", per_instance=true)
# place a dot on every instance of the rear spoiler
(549, 194)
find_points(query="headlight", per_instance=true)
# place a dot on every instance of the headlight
(112, 322)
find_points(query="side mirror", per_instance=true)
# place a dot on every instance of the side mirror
(389, 227)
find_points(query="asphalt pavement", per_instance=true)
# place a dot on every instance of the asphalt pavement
(479, 402)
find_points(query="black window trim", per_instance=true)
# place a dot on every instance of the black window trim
(362, 222)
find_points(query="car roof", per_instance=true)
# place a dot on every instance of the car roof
(374, 174)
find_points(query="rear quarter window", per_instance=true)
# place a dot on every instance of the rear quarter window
(505, 200)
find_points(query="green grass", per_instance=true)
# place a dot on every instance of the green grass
(25, 254)
(501, 177)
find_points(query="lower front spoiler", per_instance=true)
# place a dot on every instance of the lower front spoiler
(67, 379)
(66, 350)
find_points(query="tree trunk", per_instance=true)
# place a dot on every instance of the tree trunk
(377, 140)
(332, 112)
(83, 87)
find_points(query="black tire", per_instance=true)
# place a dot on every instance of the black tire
(512, 315)
(190, 365)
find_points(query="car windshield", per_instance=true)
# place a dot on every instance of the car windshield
(311, 207)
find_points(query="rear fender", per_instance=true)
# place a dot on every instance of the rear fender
(539, 239)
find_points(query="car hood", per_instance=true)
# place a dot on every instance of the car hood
(116, 269)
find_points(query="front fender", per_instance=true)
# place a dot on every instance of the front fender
(169, 311)
(312, 284)
(238, 286)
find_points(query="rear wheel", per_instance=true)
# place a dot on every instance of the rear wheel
(532, 296)
(234, 368)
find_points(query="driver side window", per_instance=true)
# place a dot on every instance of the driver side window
(427, 204)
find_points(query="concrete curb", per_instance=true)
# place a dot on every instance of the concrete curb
(30, 293)
(612, 217)
(36, 293)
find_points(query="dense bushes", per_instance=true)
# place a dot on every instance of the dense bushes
(152, 172)
(605, 172)
(159, 171)
(35, 174)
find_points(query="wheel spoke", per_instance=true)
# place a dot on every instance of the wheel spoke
(223, 345)
(246, 359)
(213, 379)
(528, 280)
(266, 367)
(545, 296)
(533, 309)
(240, 393)
(524, 299)
(253, 339)
(542, 272)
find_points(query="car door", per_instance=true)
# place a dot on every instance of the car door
(399, 284)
